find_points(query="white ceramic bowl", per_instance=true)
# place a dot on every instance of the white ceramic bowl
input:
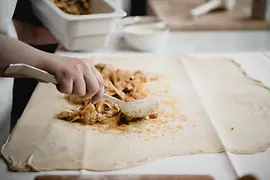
(150, 37)
(139, 20)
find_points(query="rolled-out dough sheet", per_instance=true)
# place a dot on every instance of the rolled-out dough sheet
(238, 105)
(41, 142)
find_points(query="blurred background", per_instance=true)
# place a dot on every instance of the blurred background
(204, 25)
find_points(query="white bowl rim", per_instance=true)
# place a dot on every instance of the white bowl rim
(165, 31)
(133, 20)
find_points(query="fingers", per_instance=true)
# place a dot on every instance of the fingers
(98, 76)
(65, 77)
(65, 86)
(79, 87)
(92, 85)
(99, 94)
(78, 77)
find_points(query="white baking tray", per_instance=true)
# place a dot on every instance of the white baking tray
(79, 32)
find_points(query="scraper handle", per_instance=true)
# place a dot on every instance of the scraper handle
(30, 71)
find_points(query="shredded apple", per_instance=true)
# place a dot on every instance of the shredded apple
(124, 85)
(74, 7)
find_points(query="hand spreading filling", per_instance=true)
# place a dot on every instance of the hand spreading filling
(74, 7)
(124, 85)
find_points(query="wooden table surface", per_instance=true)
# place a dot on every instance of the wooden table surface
(176, 14)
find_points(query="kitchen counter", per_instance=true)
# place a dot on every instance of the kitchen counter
(232, 44)
(204, 42)
(220, 166)
(227, 41)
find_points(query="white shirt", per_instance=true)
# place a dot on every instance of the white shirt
(7, 8)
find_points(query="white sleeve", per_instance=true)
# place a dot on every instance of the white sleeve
(7, 8)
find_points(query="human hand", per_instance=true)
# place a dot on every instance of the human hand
(75, 76)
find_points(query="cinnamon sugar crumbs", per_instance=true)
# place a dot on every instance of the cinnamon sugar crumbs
(105, 116)
(184, 118)
(121, 84)
(179, 127)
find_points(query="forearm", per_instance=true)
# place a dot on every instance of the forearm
(14, 51)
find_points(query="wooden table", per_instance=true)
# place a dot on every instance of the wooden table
(176, 14)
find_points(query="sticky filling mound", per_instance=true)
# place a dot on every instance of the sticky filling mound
(122, 84)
